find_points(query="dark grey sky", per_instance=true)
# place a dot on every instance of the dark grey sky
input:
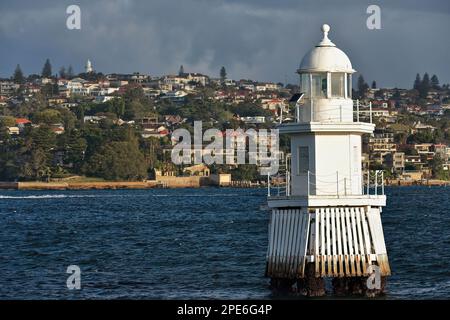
(261, 39)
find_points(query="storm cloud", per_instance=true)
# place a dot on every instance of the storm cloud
(262, 40)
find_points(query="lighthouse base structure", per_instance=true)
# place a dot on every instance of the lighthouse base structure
(308, 244)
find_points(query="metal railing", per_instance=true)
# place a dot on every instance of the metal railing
(369, 183)
(360, 111)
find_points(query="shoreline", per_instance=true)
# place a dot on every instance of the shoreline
(430, 183)
(36, 185)
(151, 184)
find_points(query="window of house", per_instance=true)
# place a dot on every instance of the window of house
(303, 160)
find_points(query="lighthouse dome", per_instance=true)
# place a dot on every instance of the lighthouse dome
(326, 57)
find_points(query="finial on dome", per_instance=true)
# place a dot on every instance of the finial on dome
(325, 41)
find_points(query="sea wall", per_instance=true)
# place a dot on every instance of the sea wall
(164, 182)
(9, 185)
(182, 182)
(36, 185)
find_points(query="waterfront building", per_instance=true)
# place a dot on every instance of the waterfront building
(326, 221)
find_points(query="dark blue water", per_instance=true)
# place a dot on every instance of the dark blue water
(189, 243)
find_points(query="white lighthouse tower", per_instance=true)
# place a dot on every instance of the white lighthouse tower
(89, 67)
(327, 221)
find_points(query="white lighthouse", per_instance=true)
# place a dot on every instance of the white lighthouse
(326, 222)
(89, 67)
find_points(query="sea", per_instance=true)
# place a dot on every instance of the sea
(204, 243)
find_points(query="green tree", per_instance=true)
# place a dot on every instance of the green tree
(48, 90)
(136, 104)
(47, 69)
(435, 82)
(70, 74)
(62, 72)
(245, 172)
(75, 150)
(47, 116)
(362, 87)
(374, 84)
(223, 74)
(68, 119)
(7, 121)
(18, 75)
(153, 152)
(42, 138)
(119, 160)
(117, 106)
(425, 86)
(9, 169)
(417, 82)
(437, 169)
(36, 167)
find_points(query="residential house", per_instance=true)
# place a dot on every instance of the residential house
(8, 88)
(22, 123)
(381, 144)
(395, 162)
(425, 150)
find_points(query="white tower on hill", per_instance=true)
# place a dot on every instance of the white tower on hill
(89, 67)
(327, 222)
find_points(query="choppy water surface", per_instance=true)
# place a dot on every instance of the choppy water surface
(189, 243)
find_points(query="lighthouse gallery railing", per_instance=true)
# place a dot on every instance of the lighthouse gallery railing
(371, 183)
(360, 112)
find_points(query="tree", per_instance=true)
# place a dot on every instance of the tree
(37, 165)
(152, 150)
(47, 69)
(75, 147)
(47, 116)
(424, 86)
(18, 75)
(223, 74)
(417, 82)
(42, 138)
(69, 74)
(62, 72)
(435, 82)
(436, 165)
(245, 172)
(362, 87)
(374, 84)
(68, 119)
(7, 121)
(181, 72)
(117, 106)
(118, 160)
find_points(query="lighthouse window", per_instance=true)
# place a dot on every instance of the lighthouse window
(319, 85)
(337, 85)
(304, 84)
(349, 86)
(303, 160)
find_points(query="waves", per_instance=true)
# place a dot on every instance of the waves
(62, 196)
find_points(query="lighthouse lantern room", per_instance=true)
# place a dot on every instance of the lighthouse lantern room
(326, 222)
